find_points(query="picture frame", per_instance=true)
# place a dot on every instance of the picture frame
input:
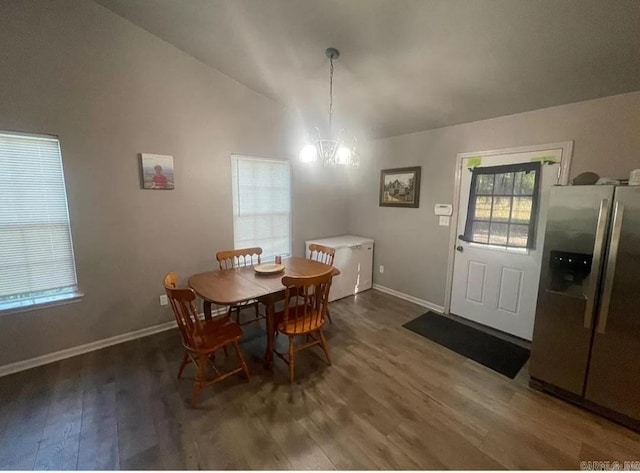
(156, 172)
(400, 187)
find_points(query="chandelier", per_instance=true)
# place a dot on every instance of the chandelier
(331, 151)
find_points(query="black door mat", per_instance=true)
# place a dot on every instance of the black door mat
(500, 355)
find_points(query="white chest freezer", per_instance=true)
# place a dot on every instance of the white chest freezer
(354, 259)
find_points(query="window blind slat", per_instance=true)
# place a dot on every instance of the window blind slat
(36, 253)
(261, 204)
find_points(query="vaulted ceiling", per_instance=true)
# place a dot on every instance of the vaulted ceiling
(408, 65)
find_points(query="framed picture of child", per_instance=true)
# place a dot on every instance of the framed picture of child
(157, 171)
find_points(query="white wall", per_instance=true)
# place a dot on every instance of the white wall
(409, 242)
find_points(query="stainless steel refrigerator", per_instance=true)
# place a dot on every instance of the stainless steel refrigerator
(586, 339)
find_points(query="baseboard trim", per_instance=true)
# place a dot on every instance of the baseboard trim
(89, 347)
(407, 297)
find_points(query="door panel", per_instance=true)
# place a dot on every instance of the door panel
(614, 372)
(475, 281)
(503, 294)
(510, 287)
(570, 270)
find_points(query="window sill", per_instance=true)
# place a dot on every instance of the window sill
(39, 303)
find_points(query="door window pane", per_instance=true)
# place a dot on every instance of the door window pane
(503, 184)
(481, 232)
(521, 212)
(524, 183)
(518, 235)
(483, 208)
(498, 234)
(485, 184)
(501, 209)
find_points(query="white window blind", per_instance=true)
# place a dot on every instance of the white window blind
(36, 254)
(261, 204)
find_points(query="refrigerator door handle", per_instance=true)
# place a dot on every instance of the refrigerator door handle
(618, 215)
(596, 264)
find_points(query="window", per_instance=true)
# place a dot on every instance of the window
(261, 205)
(36, 254)
(503, 205)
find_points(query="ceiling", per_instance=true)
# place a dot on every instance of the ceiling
(408, 65)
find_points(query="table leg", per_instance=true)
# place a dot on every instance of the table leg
(271, 329)
(206, 308)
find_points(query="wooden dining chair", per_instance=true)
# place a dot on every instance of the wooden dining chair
(235, 258)
(305, 308)
(171, 280)
(202, 338)
(323, 254)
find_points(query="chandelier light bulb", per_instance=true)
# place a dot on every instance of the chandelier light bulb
(309, 154)
(343, 156)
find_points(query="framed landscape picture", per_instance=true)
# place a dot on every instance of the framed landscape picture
(400, 187)
(157, 171)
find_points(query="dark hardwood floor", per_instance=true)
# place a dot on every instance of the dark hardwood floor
(391, 400)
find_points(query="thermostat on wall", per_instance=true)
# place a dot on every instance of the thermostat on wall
(443, 209)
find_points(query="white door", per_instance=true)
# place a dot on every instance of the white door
(496, 283)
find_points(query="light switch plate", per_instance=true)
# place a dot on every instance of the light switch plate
(163, 299)
(444, 221)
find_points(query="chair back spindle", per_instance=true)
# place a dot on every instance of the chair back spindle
(235, 258)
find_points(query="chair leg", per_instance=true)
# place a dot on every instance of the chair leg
(185, 362)
(226, 352)
(329, 316)
(197, 384)
(325, 347)
(291, 360)
(245, 368)
(257, 311)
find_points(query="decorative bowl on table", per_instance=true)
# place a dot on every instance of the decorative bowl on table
(269, 268)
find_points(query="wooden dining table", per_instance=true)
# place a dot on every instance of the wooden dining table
(241, 284)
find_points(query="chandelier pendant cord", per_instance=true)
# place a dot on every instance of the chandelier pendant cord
(330, 93)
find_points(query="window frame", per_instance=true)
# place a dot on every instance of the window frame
(535, 201)
(44, 301)
(235, 156)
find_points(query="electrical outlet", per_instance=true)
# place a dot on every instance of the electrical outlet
(163, 299)
(381, 269)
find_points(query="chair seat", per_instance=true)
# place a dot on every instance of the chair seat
(216, 333)
(301, 324)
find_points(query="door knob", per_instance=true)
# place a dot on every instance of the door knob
(459, 248)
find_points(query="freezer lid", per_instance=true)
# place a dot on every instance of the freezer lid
(343, 241)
